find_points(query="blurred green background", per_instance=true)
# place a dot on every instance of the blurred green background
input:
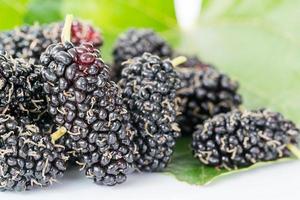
(110, 16)
(256, 42)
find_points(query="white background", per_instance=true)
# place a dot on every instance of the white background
(279, 181)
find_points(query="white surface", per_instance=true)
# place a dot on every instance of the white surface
(279, 181)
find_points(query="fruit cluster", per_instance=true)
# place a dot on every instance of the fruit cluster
(239, 139)
(60, 104)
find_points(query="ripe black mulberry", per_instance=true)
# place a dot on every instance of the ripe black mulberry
(84, 101)
(149, 87)
(239, 139)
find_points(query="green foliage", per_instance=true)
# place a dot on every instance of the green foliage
(188, 169)
(44, 11)
(256, 42)
(12, 14)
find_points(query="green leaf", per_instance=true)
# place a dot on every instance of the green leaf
(258, 44)
(188, 169)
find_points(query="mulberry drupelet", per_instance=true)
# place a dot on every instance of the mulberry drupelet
(28, 157)
(149, 87)
(204, 93)
(84, 101)
(239, 139)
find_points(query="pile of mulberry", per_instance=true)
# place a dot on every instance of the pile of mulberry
(21, 89)
(204, 93)
(28, 158)
(134, 43)
(90, 107)
(149, 87)
(239, 139)
(28, 42)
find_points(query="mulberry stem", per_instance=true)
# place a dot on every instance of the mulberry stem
(242, 108)
(294, 150)
(178, 61)
(66, 31)
(58, 134)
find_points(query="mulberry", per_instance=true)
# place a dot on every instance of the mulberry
(28, 42)
(134, 43)
(204, 93)
(28, 158)
(21, 89)
(239, 139)
(149, 90)
(89, 106)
